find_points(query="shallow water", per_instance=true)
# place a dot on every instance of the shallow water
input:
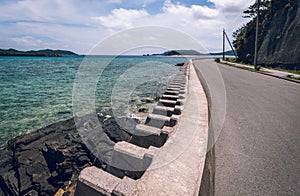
(37, 91)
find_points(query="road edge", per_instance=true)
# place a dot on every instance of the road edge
(267, 74)
(207, 186)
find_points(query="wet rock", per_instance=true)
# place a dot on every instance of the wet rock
(51, 158)
(143, 110)
(114, 131)
(41, 162)
(148, 100)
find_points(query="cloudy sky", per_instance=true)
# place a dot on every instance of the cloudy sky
(79, 25)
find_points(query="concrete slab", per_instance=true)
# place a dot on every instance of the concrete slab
(124, 187)
(146, 136)
(159, 121)
(170, 97)
(168, 103)
(163, 110)
(130, 158)
(93, 181)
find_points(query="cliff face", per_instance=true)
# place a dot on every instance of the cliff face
(281, 45)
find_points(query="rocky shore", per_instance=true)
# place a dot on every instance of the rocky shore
(49, 160)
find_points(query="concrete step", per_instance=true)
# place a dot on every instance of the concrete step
(175, 87)
(174, 83)
(163, 110)
(130, 160)
(171, 92)
(167, 111)
(146, 136)
(177, 83)
(168, 103)
(159, 121)
(172, 97)
(179, 80)
(93, 181)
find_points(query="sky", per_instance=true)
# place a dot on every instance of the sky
(79, 25)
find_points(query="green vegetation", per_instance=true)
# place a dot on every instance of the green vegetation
(39, 53)
(278, 35)
(291, 77)
(245, 36)
(286, 70)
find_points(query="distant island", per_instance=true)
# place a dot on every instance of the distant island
(227, 53)
(188, 53)
(38, 53)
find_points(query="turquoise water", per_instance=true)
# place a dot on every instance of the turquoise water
(37, 91)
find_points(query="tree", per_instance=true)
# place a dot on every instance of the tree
(245, 36)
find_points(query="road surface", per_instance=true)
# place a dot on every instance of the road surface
(258, 149)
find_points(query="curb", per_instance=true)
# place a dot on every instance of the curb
(267, 74)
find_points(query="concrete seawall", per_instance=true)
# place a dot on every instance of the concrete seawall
(167, 152)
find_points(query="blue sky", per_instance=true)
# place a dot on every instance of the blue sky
(79, 25)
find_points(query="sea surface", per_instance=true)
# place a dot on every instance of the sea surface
(37, 91)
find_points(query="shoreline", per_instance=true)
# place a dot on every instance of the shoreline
(48, 160)
(45, 160)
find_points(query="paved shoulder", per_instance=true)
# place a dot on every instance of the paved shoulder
(258, 150)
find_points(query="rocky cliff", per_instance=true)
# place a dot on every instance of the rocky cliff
(281, 44)
(279, 30)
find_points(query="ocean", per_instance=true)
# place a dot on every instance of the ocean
(37, 91)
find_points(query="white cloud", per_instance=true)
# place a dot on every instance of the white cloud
(201, 22)
(27, 40)
(121, 18)
(230, 6)
(204, 12)
(77, 26)
(148, 2)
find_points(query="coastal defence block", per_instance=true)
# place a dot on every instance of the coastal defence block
(129, 159)
(133, 167)
(96, 182)
(163, 110)
(93, 181)
(146, 136)
(159, 121)
(172, 97)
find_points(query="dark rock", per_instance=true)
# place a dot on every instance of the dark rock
(114, 131)
(50, 158)
(281, 42)
(41, 162)
(179, 64)
(147, 100)
(66, 194)
(144, 110)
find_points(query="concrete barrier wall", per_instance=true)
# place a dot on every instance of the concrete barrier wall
(166, 155)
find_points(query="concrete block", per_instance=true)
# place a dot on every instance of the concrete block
(93, 181)
(168, 103)
(125, 187)
(163, 110)
(130, 160)
(146, 136)
(172, 97)
(159, 121)
(171, 92)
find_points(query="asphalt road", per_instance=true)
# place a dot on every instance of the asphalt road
(258, 149)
